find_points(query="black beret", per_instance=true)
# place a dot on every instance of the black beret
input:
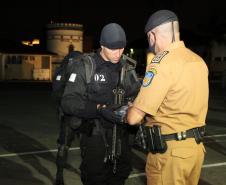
(158, 18)
(113, 36)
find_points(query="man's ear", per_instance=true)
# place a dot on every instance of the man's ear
(152, 37)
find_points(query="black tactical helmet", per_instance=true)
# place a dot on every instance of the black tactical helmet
(113, 36)
(158, 18)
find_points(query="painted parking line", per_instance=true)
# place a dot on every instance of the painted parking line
(34, 152)
(214, 165)
(136, 175)
(217, 135)
(215, 141)
(77, 148)
(218, 138)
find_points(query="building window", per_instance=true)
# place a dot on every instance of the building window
(8, 60)
(45, 62)
(32, 58)
(19, 59)
(14, 60)
(25, 58)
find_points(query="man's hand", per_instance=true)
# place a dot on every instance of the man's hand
(122, 112)
(112, 113)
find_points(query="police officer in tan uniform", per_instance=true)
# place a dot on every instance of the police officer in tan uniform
(174, 97)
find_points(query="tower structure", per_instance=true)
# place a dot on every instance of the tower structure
(64, 37)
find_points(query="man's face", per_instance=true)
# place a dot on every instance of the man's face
(112, 55)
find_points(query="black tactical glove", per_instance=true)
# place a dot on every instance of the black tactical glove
(122, 112)
(111, 113)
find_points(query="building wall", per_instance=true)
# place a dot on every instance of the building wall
(61, 36)
(26, 67)
(13, 72)
(27, 70)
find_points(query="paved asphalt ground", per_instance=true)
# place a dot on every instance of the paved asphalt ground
(29, 129)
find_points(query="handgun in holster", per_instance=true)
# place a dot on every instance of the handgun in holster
(155, 141)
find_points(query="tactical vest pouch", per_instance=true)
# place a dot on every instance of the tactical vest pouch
(155, 141)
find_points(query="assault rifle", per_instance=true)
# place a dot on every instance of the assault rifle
(119, 93)
(141, 134)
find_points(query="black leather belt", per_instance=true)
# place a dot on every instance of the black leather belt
(191, 133)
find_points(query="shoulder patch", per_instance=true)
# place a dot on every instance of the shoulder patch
(72, 77)
(58, 77)
(149, 75)
(159, 57)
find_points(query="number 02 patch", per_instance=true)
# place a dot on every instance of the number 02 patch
(100, 78)
(149, 75)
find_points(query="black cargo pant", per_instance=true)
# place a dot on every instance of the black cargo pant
(94, 171)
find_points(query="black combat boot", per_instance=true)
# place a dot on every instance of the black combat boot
(59, 177)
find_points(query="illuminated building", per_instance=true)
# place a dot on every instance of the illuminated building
(64, 37)
(27, 62)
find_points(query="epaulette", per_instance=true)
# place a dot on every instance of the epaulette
(159, 57)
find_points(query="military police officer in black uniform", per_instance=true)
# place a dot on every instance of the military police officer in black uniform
(93, 104)
(67, 129)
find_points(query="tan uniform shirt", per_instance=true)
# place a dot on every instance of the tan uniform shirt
(175, 90)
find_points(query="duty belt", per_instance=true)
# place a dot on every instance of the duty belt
(156, 142)
(191, 133)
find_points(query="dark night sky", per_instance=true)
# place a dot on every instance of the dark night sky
(28, 19)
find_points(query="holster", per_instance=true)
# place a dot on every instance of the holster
(199, 134)
(155, 141)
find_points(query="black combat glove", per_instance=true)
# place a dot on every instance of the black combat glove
(112, 113)
(122, 112)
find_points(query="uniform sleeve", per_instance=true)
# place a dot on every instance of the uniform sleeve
(74, 100)
(154, 88)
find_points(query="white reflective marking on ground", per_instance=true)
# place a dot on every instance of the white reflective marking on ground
(214, 165)
(215, 141)
(218, 135)
(136, 175)
(34, 152)
(77, 148)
